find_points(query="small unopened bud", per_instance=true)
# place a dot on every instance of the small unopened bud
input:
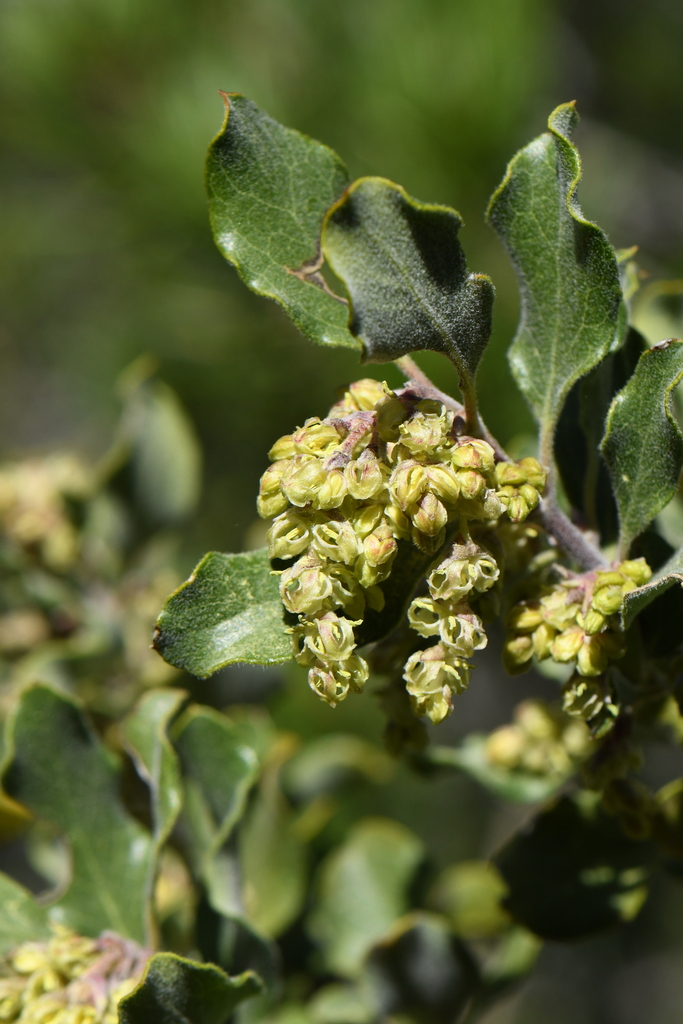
(568, 644)
(271, 505)
(509, 474)
(283, 448)
(271, 501)
(429, 516)
(443, 483)
(535, 720)
(332, 491)
(637, 570)
(330, 637)
(367, 518)
(592, 659)
(367, 393)
(288, 536)
(400, 524)
(542, 639)
(303, 479)
(492, 507)
(380, 546)
(305, 586)
(424, 616)
(365, 479)
(592, 622)
(408, 483)
(336, 540)
(369, 575)
(474, 454)
(530, 495)
(517, 653)
(535, 474)
(389, 414)
(472, 484)
(505, 746)
(524, 618)
(608, 599)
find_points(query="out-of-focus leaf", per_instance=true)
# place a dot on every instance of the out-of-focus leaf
(643, 445)
(273, 858)
(228, 611)
(668, 575)
(406, 275)
(421, 970)
(362, 891)
(470, 757)
(179, 991)
(58, 768)
(515, 955)
(573, 872)
(218, 772)
(341, 1004)
(326, 763)
(470, 894)
(14, 819)
(269, 188)
(569, 278)
(22, 919)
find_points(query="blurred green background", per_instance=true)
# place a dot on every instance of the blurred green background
(107, 109)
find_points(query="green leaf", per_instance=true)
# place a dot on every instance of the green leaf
(269, 188)
(569, 278)
(59, 769)
(328, 762)
(218, 772)
(469, 894)
(362, 890)
(405, 272)
(665, 577)
(179, 991)
(470, 757)
(228, 611)
(643, 445)
(145, 735)
(422, 971)
(574, 871)
(22, 919)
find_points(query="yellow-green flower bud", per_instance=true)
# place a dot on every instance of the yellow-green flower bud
(315, 438)
(568, 644)
(530, 495)
(303, 479)
(289, 535)
(462, 630)
(365, 478)
(535, 474)
(558, 608)
(443, 483)
(474, 454)
(509, 474)
(424, 616)
(284, 448)
(608, 599)
(367, 393)
(380, 546)
(332, 491)
(390, 412)
(517, 653)
(592, 622)
(542, 639)
(271, 501)
(592, 659)
(451, 580)
(367, 574)
(400, 524)
(269, 506)
(492, 507)
(431, 678)
(471, 483)
(518, 509)
(505, 746)
(637, 570)
(524, 618)
(429, 515)
(330, 637)
(333, 682)
(534, 720)
(336, 540)
(305, 586)
(408, 483)
(367, 518)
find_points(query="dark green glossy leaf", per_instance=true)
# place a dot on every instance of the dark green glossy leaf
(405, 272)
(362, 890)
(643, 445)
(228, 611)
(421, 970)
(670, 574)
(569, 278)
(58, 768)
(179, 991)
(470, 757)
(573, 872)
(22, 919)
(269, 188)
(218, 772)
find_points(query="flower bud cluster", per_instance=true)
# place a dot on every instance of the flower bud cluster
(575, 621)
(434, 675)
(381, 468)
(539, 741)
(70, 979)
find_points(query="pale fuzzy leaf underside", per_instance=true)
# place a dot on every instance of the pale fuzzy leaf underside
(569, 278)
(405, 272)
(643, 445)
(269, 188)
(228, 611)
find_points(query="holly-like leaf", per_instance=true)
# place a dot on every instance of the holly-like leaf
(363, 890)
(670, 574)
(59, 769)
(22, 919)
(470, 757)
(228, 611)
(269, 188)
(573, 872)
(406, 276)
(218, 772)
(643, 445)
(179, 991)
(568, 273)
